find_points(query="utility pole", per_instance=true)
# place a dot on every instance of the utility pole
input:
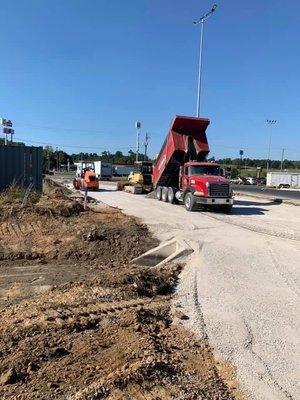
(270, 122)
(146, 143)
(241, 160)
(137, 127)
(282, 156)
(57, 159)
(199, 86)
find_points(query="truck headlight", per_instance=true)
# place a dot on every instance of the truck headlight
(207, 184)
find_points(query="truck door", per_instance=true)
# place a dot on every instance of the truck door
(185, 178)
(294, 180)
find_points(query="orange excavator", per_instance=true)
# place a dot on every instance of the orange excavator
(88, 180)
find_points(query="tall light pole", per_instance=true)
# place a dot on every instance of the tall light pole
(282, 157)
(137, 127)
(270, 122)
(201, 22)
(146, 143)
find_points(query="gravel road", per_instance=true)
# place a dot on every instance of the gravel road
(240, 287)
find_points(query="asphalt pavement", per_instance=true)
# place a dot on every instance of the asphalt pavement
(263, 190)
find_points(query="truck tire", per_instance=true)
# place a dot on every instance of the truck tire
(171, 195)
(164, 194)
(189, 202)
(158, 192)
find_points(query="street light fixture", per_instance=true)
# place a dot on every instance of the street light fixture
(6, 128)
(270, 122)
(201, 21)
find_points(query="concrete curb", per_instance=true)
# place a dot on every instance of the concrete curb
(266, 197)
(164, 253)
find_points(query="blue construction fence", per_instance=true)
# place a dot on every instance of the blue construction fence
(21, 164)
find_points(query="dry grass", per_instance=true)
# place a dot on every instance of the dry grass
(14, 194)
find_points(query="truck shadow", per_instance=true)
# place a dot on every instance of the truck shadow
(242, 211)
(248, 211)
(107, 190)
(257, 203)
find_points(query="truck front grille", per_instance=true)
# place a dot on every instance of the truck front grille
(219, 189)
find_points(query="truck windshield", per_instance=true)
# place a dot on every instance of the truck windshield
(205, 170)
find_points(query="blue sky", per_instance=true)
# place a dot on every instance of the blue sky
(78, 73)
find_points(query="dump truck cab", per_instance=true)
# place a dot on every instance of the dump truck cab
(204, 181)
(197, 176)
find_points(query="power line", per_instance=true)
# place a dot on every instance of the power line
(52, 128)
(75, 146)
(246, 148)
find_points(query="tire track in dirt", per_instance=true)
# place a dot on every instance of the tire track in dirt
(92, 313)
(15, 228)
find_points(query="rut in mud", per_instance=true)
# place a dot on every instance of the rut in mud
(101, 328)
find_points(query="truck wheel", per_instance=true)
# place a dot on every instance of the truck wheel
(189, 202)
(164, 194)
(158, 193)
(171, 195)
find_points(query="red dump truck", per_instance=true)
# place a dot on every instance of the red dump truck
(181, 172)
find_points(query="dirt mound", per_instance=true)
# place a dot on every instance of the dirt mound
(78, 321)
(102, 339)
(57, 228)
(56, 205)
(54, 189)
(151, 195)
(157, 281)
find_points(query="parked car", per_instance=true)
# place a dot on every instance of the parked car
(261, 181)
(251, 181)
(240, 181)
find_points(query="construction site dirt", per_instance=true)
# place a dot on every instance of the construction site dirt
(78, 321)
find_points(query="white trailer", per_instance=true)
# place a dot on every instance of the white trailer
(123, 170)
(81, 166)
(281, 179)
(103, 170)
